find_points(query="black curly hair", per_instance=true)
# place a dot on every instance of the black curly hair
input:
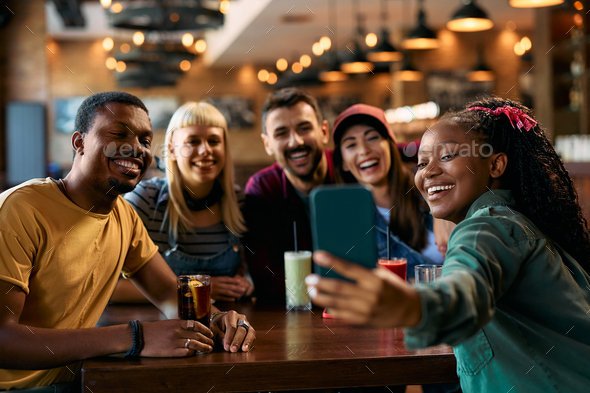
(88, 109)
(540, 184)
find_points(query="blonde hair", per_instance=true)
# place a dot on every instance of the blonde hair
(177, 212)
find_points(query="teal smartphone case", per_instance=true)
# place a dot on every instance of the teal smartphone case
(343, 224)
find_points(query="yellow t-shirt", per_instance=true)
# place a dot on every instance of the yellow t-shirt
(67, 261)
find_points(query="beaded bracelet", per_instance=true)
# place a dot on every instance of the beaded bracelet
(138, 343)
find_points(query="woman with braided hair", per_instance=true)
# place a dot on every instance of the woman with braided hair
(514, 297)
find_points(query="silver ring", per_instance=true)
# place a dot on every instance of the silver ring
(245, 325)
(190, 324)
(186, 344)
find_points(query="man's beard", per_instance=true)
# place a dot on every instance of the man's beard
(316, 161)
(119, 186)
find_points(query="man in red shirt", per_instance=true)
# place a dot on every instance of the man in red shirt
(295, 134)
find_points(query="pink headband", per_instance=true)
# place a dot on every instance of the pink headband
(514, 114)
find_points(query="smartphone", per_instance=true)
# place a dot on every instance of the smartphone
(343, 220)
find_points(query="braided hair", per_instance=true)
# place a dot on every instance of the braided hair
(535, 174)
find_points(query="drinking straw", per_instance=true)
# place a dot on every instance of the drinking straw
(295, 233)
(388, 252)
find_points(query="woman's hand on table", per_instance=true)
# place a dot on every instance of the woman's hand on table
(378, 298)
(228, 289)
(170, 338)
(230, 332)
(248, 287)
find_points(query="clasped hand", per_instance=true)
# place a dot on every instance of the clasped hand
(179, 338)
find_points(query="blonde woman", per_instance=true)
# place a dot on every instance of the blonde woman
(193, 214)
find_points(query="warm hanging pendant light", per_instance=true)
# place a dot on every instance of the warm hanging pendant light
(333, 73)
(408, 73)
(534, 3)
(356, 61)
(470, 17)
(421, 37)
(384, 52)
(481, 73)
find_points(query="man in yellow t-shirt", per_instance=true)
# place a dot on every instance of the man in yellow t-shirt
(63, 245)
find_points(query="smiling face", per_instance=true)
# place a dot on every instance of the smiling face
(295, 139)
(366, 155)
(199, 152)
(452, 174)
(114, 154)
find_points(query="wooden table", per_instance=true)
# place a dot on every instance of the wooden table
(293, 350)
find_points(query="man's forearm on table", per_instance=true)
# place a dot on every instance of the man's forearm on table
(27, 347)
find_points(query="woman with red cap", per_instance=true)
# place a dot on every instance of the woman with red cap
(365, 153)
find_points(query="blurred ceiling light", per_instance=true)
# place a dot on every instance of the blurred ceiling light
(481, 76)
(138, 38)
(108, 43)
(224, 6)
(481, 73)
(534, 3)
(579, 21)
(510, 26)
(317, 49)
(305, 61)
(200, 46)
(470, 17)
(185, 65)
(272, 78)
(371, 40)
(116, 7)
(111, 63)
(105, 3)
(409, 74)
(282, 64)
(263, 75)
(325, 42)
(579, 6)
(333, 76)
(187, 39)
(518, 49)
(384, 52)
(297, 67)
(356, 62)
(121, 66)
(421, 37)
(174, 17)
(125, 48)
(526, 43)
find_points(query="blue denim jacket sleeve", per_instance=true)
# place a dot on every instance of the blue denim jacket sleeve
(397, 248)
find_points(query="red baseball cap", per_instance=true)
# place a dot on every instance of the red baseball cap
(345, 119)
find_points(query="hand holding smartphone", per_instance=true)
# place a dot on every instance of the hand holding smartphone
(343, 219)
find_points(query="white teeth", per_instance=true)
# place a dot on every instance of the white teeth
(298, 155)
(367, 164)
(127, 164)
(432, 190)
(204, 163)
